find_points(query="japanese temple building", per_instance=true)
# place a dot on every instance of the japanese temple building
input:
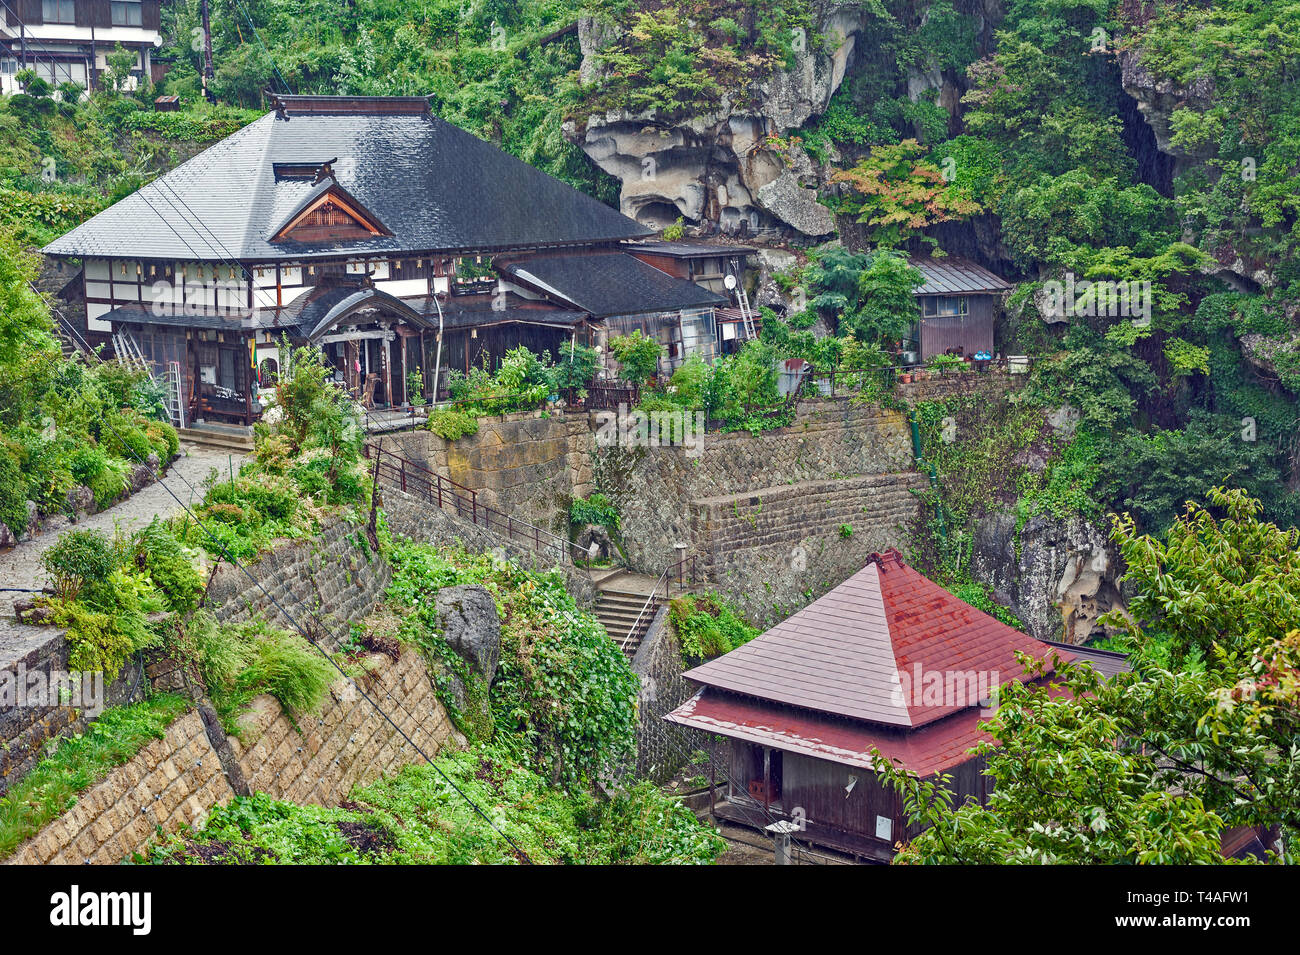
(887, 660)
(374, 230)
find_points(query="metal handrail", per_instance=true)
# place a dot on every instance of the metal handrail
(642, 622)
(448, 495)
(649, 607)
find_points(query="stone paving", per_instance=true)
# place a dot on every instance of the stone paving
(20, 566)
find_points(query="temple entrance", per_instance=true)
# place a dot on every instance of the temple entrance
(368, 363)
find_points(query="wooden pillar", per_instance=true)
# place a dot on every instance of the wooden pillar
(351, 358)
(385, 369)
(767, 780)
(424, 370)
(406, 399)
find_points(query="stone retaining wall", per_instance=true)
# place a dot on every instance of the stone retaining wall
(656, 488)
(324, 582)
(177, 780)
(664, 749)
(173, 782)
(525, 464)
(27, 652)
(349, 743)
(770, 550)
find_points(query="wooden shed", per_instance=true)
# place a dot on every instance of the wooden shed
(888, 661)
(959, 302)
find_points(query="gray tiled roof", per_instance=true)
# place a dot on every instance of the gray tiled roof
(607, 283)
(952, 275)
(312, 313)
(435, 186)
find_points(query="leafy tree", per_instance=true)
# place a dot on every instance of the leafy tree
(637, 354)
(897, 193)
(869, 294)
(1149, 766)
(1053, 215)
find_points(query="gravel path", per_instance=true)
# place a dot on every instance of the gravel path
(20, 566)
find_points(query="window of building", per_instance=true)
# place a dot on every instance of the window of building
(127, 13)
(55, 72)
(944, 306)
(59, 11)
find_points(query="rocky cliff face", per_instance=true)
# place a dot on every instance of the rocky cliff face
(726, 170)
(1057, 576)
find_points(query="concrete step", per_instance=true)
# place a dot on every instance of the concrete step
(212, 438)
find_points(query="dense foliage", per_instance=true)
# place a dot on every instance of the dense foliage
(707, 626)
(1149, 766)
(65, 423)
(117, 596)
(563, 699)
(417, 818)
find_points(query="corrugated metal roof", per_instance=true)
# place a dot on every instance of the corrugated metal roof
(1107, 662)
(689, 250)
(607, 283)
(952, 275)
(852, 651)
(435, 186)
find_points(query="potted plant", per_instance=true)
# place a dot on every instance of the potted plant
(944, 364)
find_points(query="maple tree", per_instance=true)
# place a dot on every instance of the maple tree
(897, 193)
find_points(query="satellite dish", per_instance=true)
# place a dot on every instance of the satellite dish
(730, 282)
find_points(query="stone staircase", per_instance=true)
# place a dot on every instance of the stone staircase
(227, 438)
(619, 601)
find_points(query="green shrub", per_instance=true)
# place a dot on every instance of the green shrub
(597, 510)
(637, 354)
(169, 566)
(44, 463)
(450, 424)
(123, 437)
(106, 477)
(13, 494)
(164, 439)
(707, 626)
(95, 640)
(78, 560)
(575, 368)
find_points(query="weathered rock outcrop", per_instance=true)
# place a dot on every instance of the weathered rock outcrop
(721, 169)
(1057, 576)
(471, 627)
(1156, 101)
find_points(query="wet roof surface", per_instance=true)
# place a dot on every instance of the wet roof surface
(852, 651)
(952, 275)
(435, 186)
